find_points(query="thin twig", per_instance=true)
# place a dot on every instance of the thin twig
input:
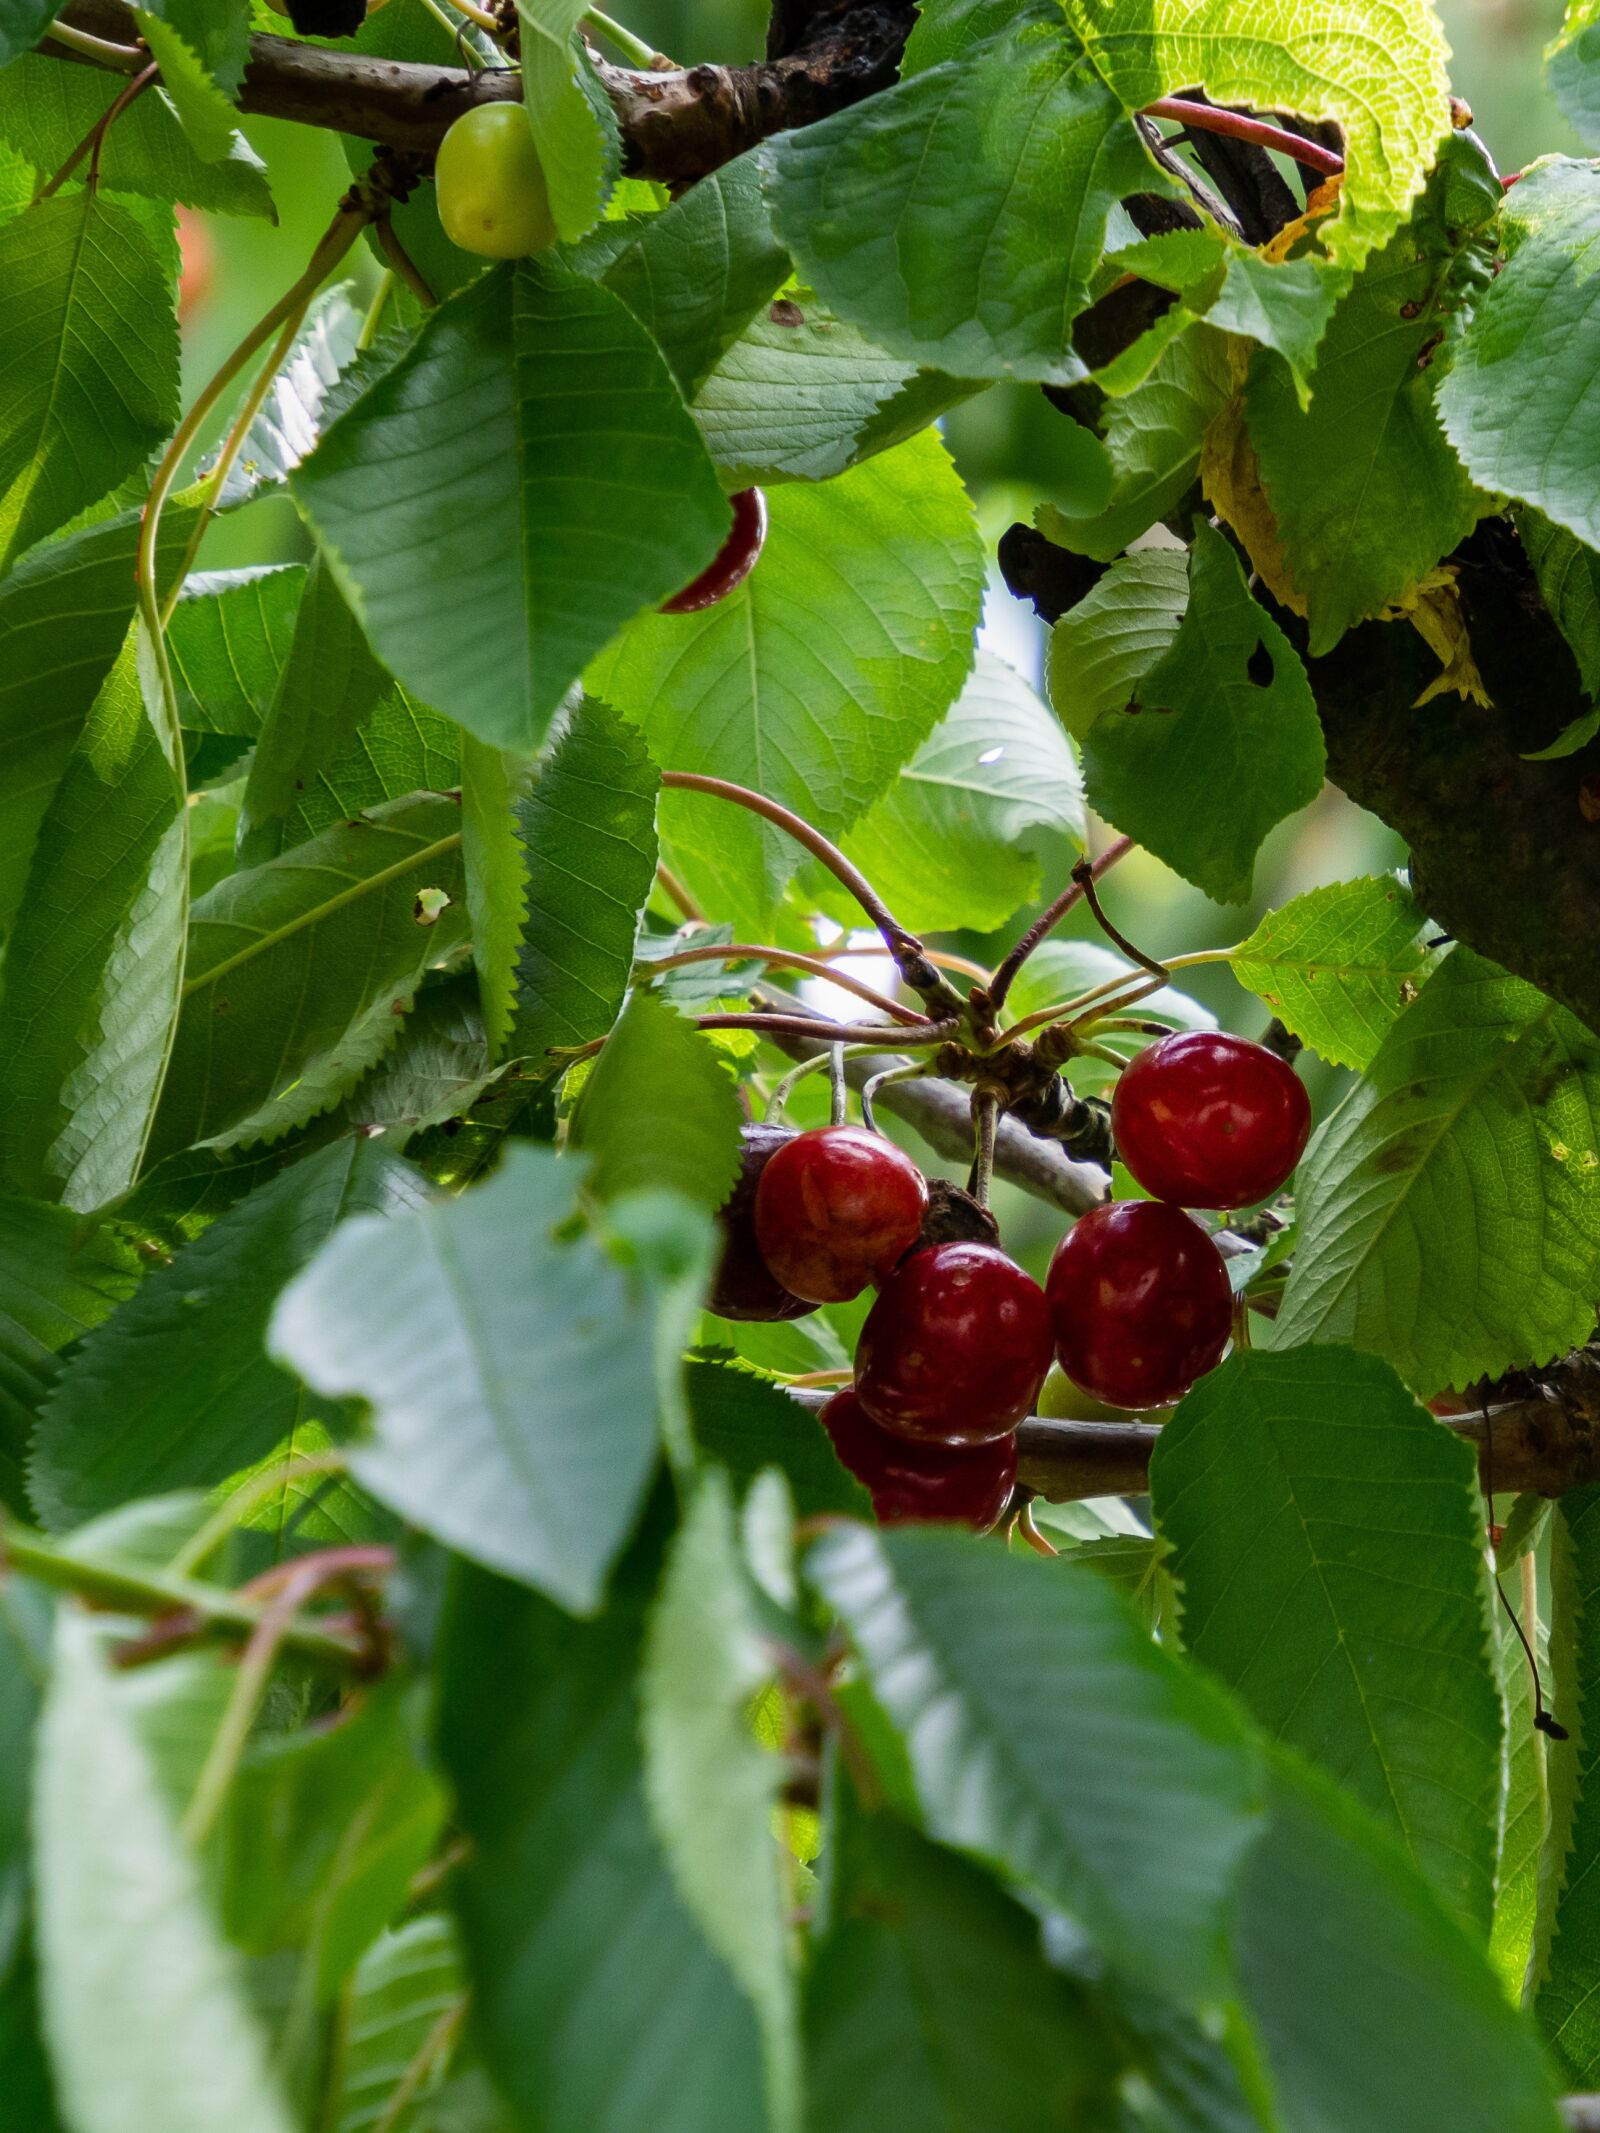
(633, 49)
(1207, 118)
(825, 1032)
(1085, 874)
(838, 1095)
(900, 943)
(999, 985)
(403, 264)
(785, 959)
(985, 1121)
(678, 893)
(121, 58)
(912, 1071)
(114, 111)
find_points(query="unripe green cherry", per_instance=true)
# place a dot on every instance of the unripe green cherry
(493, 198)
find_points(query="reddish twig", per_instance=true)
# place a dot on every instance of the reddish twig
(892, 1036)
(1005, 972)
(1206, 118)
(786, 959)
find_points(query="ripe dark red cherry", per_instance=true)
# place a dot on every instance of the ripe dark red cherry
(835, 1209)
(956, 1346)
(1208, 1120)
(733, 561)
(912, 1483)
(1140, 1301)
(744, 1286)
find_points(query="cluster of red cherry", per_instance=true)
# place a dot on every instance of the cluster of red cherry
(1137, 1304)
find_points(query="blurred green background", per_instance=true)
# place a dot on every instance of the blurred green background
(1006, 443)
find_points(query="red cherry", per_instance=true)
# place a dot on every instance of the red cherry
(744, 1287)
(837, 1208)
(956, 1346)
(1141, 1303)
(1208, 1120)
(969, 1485)
(733, 561)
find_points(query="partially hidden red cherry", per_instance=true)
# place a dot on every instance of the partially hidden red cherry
(733, 561)
(969, 1485)
(1141, 1303)
(837, 1208)
(1208, 1120)
(956, 1346)
(744, 1286)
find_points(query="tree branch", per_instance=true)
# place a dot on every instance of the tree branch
(1547, 1441)
(676, 126)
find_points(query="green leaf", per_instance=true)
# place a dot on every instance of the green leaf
(1569, 583)
(1564, 1970)
(89, 347)
(216, 31)
(64, 616)
(510, 1375)
(299, 971)
(1386, 90)
(575, 133)
(1153, 437)
(176, 1390)
(931, 217)
(329, 686)
(22, 24)
(321, 1833)
(408, 1982)
(710, 1785)
(929, 2003)
(1527, 1794)
(1204, 722)
(93, 965)
(144, 2010)
(469, 500)
(818, 677)
(1049, 1736)
(588, 830)
(1373, 2008)
(1327, 1546)
(1102, 648)
(597, 1998)
(1448, 1207)
(987, 811)
(401, 747)
(698, 272)
(497, 875)
(659, 1110)
(1285, 305)
(1339, 965)
(1572, 68)
(745, 1423)
(228, 641)
(46, 109)
(204, 113)
(1514, 402)
(1366, 493)
(56, 1281)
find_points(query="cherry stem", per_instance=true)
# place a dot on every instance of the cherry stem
(1005, 972)
(131, 94)
(1111, 995)
(778, 1101)
(1085, 874)
(673, 888)
(637, 52)
(876, 1037)
(962, 965)
(93, 139)
(123, 58)
(838, 1093)
(875, 1082)
(785, 959)
(985, 1125)
(1024, 1524)
(902, 945)
(809, 1380)
(404, 266)
(1206, 118)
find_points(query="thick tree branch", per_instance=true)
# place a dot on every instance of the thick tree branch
(676, 126)
(1546, 1440)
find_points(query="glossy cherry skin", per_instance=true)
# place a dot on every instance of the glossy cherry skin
(1208, 1120)
(491, 188)
(733, 561)
(1140, 1301)
(956, 1346)
(910, 1483)
(837, 1208)
(744, 1286)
